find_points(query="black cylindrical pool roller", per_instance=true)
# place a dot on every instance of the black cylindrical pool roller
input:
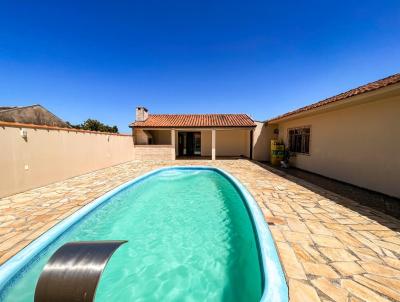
(73, 271)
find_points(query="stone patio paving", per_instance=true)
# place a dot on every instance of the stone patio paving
(331, 248)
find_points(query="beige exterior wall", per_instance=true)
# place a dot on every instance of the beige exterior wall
(48, 156)
(263, 134)
(158, 137)
(206, 143)
(161, 137)
(154, 152)
(233, 142)
(357, 144)
(141, 137)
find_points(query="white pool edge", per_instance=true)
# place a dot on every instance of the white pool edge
(274, 290)
(275, 287)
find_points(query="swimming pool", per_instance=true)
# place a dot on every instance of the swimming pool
(193, 234)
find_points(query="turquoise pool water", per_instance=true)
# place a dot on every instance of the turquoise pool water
(190, 238)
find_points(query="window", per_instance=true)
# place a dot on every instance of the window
(299, 140)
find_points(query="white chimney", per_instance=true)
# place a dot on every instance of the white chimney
(141, 114)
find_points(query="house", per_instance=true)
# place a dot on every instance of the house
(34, 114)
(352, 137)
(167, 136)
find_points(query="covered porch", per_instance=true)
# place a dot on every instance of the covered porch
(213, 143)
(168, 136)
(199, 143)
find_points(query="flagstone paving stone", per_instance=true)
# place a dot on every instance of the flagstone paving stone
(319, 269)
(348, 268)
(331, 247)
(331, 290)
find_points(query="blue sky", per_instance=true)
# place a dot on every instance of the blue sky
(101, 59)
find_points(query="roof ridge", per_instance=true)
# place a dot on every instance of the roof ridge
(196, 120)
(20, 107)
(172, 114)
(371, 86)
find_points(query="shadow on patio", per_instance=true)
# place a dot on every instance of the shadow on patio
(379, 207)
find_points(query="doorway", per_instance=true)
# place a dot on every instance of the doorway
(189, 143)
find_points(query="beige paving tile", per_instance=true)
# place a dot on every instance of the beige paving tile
(14, 250)
(319, 269)
(332, 291)
(13, 240)
(290, 262)
(306, 252)
(354, 299)
(300, 292)
(297, 237)
(326, 241)
(348, 268)
(384, 234)
(325, 219)
(336, 226)
(337, 254)
(347, 239)
(387, 245)
(365, 254)
(395, 295)
(388, 253)
(277, 234)
(379, 269)
(392, 282)
(369, 227)
(362, 292)
(318, 228)
(297, 226)
(393, 262)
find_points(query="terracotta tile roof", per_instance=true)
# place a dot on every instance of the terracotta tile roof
(393, 79)
(195, 120)
(34, 114)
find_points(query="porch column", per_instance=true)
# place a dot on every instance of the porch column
(173, 157)
(213, 140)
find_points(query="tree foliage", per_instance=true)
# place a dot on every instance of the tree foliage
(95, 125)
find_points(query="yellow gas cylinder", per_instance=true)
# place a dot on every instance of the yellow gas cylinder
(277, 152)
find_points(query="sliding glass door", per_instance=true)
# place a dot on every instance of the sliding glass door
(189, 143)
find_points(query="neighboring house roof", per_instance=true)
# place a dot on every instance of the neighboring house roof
(34, 114)
(195, 120)
(2, 108)
(393, 79)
